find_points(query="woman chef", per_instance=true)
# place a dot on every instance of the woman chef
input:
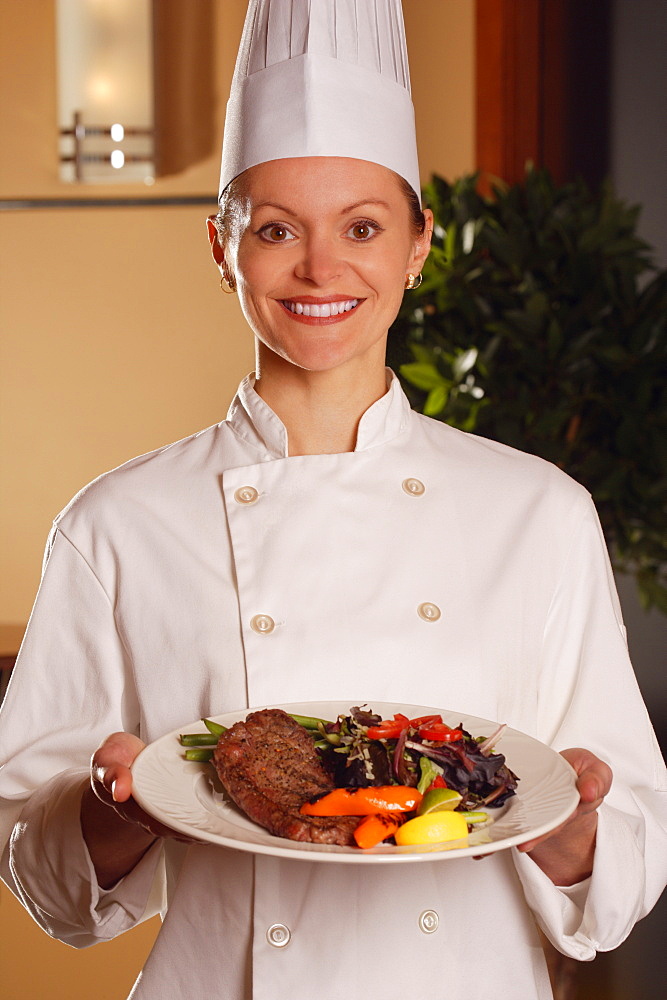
(325, 542)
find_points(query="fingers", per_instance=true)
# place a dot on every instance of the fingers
(594, 779)
(119, 748)
(111, 777)
(111, 780)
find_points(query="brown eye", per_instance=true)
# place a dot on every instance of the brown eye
(275, 232)
(364, 230)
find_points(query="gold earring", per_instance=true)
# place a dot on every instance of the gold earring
(228, 285)
(413, 281)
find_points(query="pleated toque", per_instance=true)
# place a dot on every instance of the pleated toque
(321, 78)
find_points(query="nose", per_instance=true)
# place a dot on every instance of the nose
(319, 263)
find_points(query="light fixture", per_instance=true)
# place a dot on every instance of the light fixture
(106, 106)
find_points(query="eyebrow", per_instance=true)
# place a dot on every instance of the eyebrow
(344, 211)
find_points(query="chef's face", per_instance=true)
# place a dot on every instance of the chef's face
(319, 248)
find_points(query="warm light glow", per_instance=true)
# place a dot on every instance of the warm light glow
(100, 88)
(117, 158)
(117, 132)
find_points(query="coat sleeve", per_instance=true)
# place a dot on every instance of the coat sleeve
(71, 687)
(589, 697)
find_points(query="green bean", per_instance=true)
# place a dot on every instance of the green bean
(198, 753)
(198, 740)
(308, 721)
(214, 727)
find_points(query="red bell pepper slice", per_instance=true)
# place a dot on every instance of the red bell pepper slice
(389, 729)
(372, 830)
(422, 720)
(364, 801)
(440, 732)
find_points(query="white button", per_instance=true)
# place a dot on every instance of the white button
(262, 624)
(428, 921)
(278, 935)
(429, 612)
(413, 487)
(246, 495)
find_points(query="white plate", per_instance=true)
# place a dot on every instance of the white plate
(188, 797)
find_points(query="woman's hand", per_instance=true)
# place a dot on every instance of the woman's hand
(115, 828)
(566, 853)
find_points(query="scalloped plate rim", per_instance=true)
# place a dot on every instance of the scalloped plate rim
(174, 791)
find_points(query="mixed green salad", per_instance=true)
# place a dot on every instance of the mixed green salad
(362, 750)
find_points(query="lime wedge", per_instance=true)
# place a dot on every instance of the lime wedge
(437, 800)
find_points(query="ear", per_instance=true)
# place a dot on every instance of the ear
(422, 244)
(216, 250)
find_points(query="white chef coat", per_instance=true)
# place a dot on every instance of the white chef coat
(146, 619)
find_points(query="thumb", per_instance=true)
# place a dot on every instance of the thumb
(110, 765)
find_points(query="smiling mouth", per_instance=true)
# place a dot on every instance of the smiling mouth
(320, 310)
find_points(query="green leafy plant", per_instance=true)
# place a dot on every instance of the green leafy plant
(542, 323)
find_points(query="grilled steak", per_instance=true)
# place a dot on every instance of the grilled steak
(269, 767)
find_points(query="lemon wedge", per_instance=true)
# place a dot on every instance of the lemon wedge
(438, 799)
(432, 828)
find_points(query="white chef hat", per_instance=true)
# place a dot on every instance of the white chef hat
(321, 78)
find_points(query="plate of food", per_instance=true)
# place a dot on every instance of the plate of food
(371, 783)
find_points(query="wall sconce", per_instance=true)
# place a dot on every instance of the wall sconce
(105, 90)
(135, 88)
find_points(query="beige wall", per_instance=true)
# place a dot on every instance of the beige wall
(116, 339)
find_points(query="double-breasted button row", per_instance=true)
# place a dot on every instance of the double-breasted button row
(279, 935)
(264, 624)
(248, 495)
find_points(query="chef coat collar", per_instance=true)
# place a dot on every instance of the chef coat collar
(254, 420)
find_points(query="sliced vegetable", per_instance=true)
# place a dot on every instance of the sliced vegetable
(488, 745)
(476, 816)
(363, 801)
(423, 719)
(389, 729)
(441, 732)
(198, 753)
(372, 830)
(400, 763)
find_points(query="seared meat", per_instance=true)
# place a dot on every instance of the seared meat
(269, 767)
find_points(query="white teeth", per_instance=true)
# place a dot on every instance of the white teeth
(319, 310)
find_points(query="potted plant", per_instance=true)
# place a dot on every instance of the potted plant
(542, 323)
